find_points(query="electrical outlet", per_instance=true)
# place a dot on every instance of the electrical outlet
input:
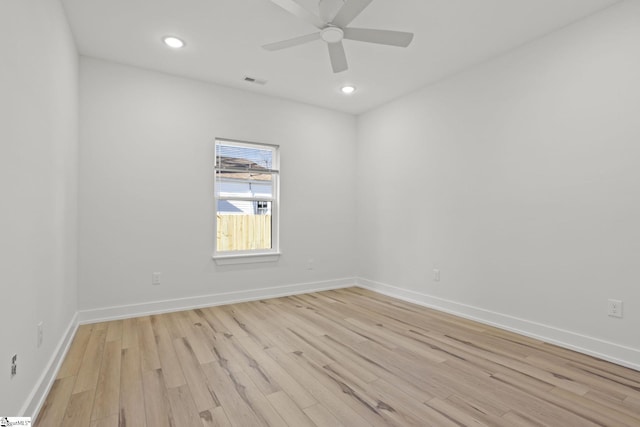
(40, 333)
(614, 308)
(436, 275)
(155, 278)
(14, 365)
(310, 263)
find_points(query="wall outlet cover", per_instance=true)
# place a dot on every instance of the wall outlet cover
(14, 365)
(614, 308)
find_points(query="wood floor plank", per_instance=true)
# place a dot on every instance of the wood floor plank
(213, 316)
(183, 408)
(633, 403)
(275, 327)
(257, 401)
(111, 421)
(310, 313)
(400, 343)
(207, 316)
(321, 416)
(78, 413)
(341, 351)
(215, 417)
(463, 415)
(130, 333)
(254, 324)
(594, 364)
(549, 412)
(595, 410)
(55, 405)
(347, 357)
(288, 410)
(114, 330)
(108, 387)
(411, 383)
(612, 404)
(293, 317)
(150, 361)
(258, 373)
(623, 386)
(156, 400)
(171, 368)
(517, 419)
(420, 375)
(89, 372)
(73, 359)
(298, 393)
(172, 321)
(101, 325)
(132, 412)
(232, 395)
(390, 404)
(202, 393)
(308, 344)
(319, 391)
(226, 317)
(196, 336)
(355, 399)
(468, 406)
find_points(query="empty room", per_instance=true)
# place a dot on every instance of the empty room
(320, 213)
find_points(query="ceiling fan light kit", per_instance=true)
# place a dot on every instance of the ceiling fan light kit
(332, 34)
(335, 30)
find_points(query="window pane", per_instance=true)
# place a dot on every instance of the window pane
(244, 184)
(243, 225)
(244, 207)
(235, 156)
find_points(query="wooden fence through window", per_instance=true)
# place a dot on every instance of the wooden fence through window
(244, 232)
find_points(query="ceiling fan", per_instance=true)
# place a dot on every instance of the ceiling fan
(332, 22)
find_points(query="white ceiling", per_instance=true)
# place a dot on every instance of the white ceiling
(224, 39)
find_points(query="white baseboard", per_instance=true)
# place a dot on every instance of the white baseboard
(36, 398)
(156, 307)
(612, 352)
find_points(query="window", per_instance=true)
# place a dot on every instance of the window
(262, 207)
(246, 193)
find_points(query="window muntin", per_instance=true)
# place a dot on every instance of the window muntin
(246, 184)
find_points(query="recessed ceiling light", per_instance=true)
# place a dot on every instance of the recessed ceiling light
(348, 89)
(173, 42)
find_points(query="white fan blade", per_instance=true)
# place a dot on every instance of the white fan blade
(349, 11)
(292, 42)
(294, 8)
(329, 8)
(391, 38)
(338, 57)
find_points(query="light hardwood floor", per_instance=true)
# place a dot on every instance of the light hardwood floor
(339, 358)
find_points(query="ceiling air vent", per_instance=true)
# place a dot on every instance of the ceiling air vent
(254, 80)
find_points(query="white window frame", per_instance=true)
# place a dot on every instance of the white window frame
(256, 255)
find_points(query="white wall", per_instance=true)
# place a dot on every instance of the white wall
(520, 180)
(38, 175)
(146, 189)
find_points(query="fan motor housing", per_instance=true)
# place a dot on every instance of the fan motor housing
(332, 34)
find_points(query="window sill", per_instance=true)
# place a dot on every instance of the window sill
(246, 258)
